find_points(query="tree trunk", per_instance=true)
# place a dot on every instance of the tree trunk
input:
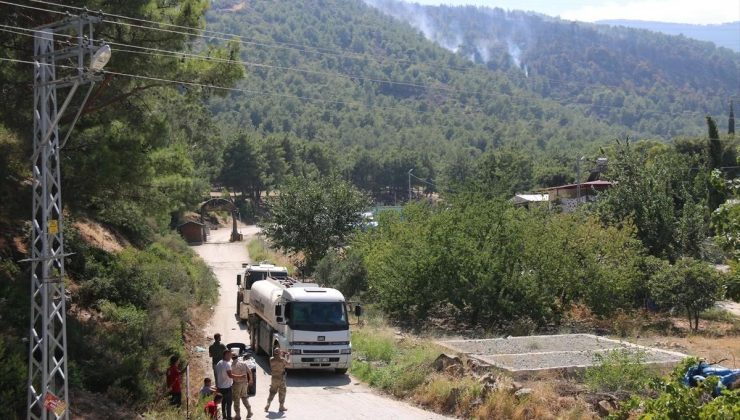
(696, 320)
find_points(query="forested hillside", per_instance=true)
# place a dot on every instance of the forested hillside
(331, 78)
(354, 83)
(653, 83)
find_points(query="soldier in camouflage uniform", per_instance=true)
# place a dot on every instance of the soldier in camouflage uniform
(242, 380)
(277, 386)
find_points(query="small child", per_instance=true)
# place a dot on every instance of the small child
(207, 389)
(211, 409)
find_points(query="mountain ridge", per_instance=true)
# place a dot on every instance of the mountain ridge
(725, 35)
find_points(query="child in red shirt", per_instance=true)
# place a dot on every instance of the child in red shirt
(211, 408)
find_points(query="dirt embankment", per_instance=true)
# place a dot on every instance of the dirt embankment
(99, 236)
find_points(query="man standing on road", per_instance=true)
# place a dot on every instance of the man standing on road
(224, 381)
(216, 351)
(242, 380)
(278, 373)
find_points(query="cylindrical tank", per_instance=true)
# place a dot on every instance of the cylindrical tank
(263, 298)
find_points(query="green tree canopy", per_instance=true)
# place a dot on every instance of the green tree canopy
(688, 284)
(312, 216)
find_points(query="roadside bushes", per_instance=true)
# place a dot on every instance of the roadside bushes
(139, 303)
(396, 367)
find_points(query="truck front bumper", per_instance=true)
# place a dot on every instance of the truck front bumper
(319, 361)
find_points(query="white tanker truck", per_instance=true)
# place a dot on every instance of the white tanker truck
(309, 322)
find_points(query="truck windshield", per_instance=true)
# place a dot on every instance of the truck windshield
(261, 275)
(317, 316)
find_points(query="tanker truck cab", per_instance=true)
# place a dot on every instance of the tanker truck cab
(253, 273)
(309, 322)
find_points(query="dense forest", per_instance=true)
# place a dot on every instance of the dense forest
(280, 93)
(353, 82)
(653, 83)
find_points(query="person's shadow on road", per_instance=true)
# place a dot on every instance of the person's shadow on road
(275, 415)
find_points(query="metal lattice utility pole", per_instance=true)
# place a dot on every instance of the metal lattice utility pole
(67, 68)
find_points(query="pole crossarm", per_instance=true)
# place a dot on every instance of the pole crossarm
(48, 389)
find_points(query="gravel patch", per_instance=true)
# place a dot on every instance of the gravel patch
(545, 352)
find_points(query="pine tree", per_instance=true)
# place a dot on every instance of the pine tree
(731, 122)
(715, 147)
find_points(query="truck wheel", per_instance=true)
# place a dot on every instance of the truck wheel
(253, 338)
(260, 350)
(341, 371)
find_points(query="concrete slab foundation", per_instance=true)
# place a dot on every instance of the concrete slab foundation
(537, 353)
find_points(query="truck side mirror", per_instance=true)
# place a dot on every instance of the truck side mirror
(358, 311)
(238, 279)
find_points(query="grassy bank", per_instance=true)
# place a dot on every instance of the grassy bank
(403, 366)
(259, 250)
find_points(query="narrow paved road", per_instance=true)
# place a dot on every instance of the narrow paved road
(311, 394)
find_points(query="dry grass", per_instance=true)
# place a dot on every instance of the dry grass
(259, 250)
(543, 403)
(445, 394)
(402, 365)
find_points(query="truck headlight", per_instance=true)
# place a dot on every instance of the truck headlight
(345, 351)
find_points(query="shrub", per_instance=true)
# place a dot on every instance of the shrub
(450, 395)
(143, 298)
(733, 284)
(619, 370)
(688, 284)
(13, 377)
(673, 400)
(382, 361)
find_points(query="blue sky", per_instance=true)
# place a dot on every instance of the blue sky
(681, 11)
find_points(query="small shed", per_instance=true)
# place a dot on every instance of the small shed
(193, 232)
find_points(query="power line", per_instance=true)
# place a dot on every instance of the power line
(225, 88)
(174, 53)
(162, 53)
(317, 72)
(282, 45)
(273, 44)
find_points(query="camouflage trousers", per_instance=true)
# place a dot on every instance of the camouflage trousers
(277, 387)
(239, 392)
